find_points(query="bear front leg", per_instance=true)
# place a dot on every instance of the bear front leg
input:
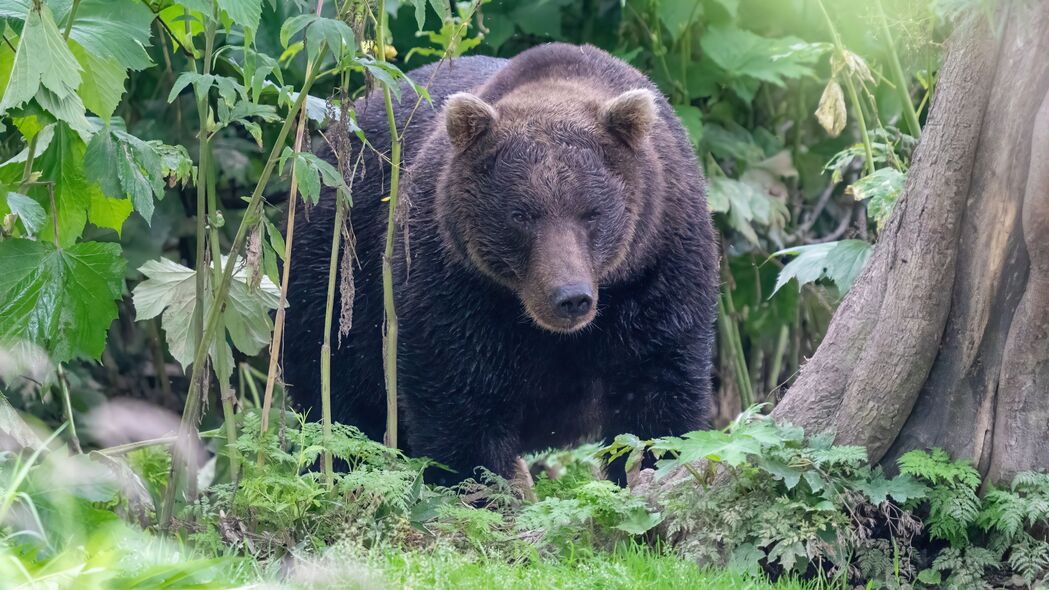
(666, 395)
(462, 439)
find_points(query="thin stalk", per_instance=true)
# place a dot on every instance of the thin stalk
(329, 305)
(289, 239)
(850, 86)
(778, 355)
(390, 335)
(900, 80)
(250, 380)
(27, 174)
(211, 321)
(67, 404)
(71, 18)
(730, 331)
(229, 418)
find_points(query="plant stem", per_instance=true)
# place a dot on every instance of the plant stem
(27, 174)
(71, 18)
(63, 384)
(390, 335)
(900, 80)
(329, 304)
(211, 321)
(289, 239)
(854, 98)
(730, 331)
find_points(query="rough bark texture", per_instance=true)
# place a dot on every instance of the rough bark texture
(944, 341)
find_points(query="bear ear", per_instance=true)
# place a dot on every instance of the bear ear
(467, 118)
(630, 115)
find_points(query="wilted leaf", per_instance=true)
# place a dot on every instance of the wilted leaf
(831, 112)
(124, 165)
(60, 299)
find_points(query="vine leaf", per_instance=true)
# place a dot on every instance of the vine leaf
(170, 291)
(123, 164)
(42, 61)
(60, 299)
(840, 262)
(29, 211)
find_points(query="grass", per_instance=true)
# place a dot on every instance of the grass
(628, 568)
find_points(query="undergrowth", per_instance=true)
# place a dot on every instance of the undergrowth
(755, 501)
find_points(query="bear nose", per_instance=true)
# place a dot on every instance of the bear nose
(574, 300)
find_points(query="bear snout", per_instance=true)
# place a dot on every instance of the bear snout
(573, 301)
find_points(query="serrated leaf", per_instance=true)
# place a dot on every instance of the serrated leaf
(246, 13)
(103, 87)
(743, 54)
(117, 29)
(124, 165)
(60, 299)
(42, 60)
(839, 261)
(62, 164)
(881, 189)
(678, 15)
(104, 211)
(170, 291)
(29, 212)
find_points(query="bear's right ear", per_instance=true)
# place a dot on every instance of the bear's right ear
(467, 118)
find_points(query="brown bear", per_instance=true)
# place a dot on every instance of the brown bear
(561, 274)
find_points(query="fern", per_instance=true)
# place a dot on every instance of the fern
(936, 467)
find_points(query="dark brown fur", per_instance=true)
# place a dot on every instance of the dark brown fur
(563, 166)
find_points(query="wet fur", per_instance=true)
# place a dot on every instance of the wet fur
(480, 381)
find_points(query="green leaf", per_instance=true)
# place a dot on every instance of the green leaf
(170, 290)
(42, 60)
(103, 87)
(839, 261)
(881, 189)
(692, 118)
(124, 165)
(62, 164)
(639, 521)
(61, 299)
(117, 29)
(28, 211)
(246, 13)
(743, 54)
(678, 15)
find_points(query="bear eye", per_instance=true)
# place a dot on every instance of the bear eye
(520, 217)
(591, 216)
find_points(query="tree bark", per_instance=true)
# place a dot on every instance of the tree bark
(944, 340)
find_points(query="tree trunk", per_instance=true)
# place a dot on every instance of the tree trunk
(944, 340)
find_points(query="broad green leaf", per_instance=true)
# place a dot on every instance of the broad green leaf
(124, 165)
(42, 60)
(103, 87)
(29, 212)
(203, 6)
(901, 488)
(62, 164)
(692, 118)
(170, 291)
(61, 299)
(639, 521)
(69, 108)
(881, 190)
(678, 15)
(336, 34)
(743, 54)
(839, 261)
(245, 13)
(108, 212)
(117, 29)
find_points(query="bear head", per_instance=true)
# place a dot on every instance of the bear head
(544, 190)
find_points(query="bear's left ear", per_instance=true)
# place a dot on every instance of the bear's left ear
(630, 115)
(467, 118)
